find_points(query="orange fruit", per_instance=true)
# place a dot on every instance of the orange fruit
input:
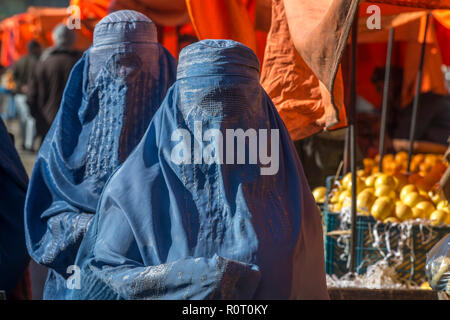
(401, 157)
(382, 208)
(369, 163)
(385, 190)
(439, 216)
(364, 201)
(319, 194)
(427, 207)
(412, 199)
(403, 212)
(418, 213)
(407, 189)
(384, 179)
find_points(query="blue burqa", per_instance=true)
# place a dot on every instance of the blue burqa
(13, 187)
(109, 100)
(172, 224)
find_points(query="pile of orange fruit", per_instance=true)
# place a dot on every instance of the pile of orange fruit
(421, 165)
(394, 196)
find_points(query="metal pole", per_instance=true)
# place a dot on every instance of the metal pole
(346, 151)
(412, 131)
(352, 125)
(384, 107)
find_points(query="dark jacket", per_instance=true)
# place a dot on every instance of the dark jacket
(22, 71)
(46, 86)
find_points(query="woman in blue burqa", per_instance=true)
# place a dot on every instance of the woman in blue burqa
(213, 203)
(13, 187)
(109, 100)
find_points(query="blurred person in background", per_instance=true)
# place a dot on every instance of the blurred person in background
(49, 78)
(433, 117)
(22, 71)
(7, 88)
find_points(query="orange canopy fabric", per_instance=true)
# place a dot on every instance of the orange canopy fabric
(162, 12)
(18, 30)
(15, 35)
(301, 71)
(223, 19)
(171, 17)
(443, 37)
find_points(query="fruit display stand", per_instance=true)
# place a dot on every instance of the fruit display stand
(403, 245)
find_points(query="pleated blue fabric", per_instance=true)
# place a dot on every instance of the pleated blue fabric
(110, 98)
(13, 187)
(189, 217)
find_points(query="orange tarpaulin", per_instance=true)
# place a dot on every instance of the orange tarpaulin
(162, 12)
(301, 71)
(15, 35)
(240, 20)
(18, 30)
(171, 16)
(222, 19)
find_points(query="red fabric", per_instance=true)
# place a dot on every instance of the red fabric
(443, 38)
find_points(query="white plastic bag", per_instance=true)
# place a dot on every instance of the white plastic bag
(438, 265)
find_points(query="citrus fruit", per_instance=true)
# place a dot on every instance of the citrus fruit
(364, 201)
(385, 190)
(406, 190)
(384, 179)
(427, 207)
(403, 212)
(382, 208)
(319, 194)
(438, 217)
(412, 199)
(418, 213)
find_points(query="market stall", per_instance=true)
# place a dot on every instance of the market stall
(382, 219)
